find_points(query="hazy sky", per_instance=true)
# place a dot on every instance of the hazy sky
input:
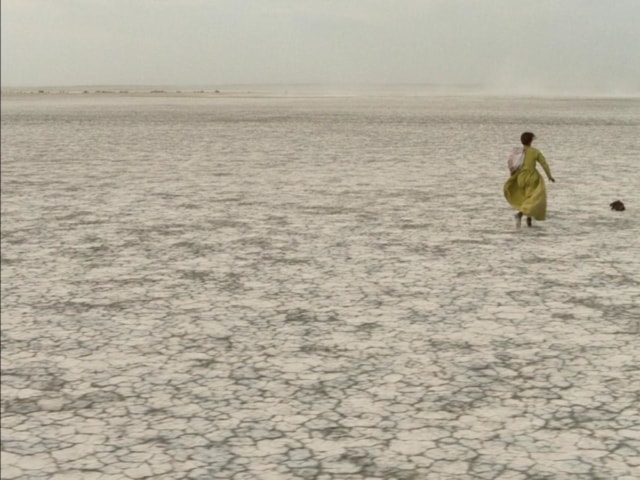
(536, 44)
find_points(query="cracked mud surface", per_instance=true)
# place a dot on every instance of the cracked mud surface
(295, 288)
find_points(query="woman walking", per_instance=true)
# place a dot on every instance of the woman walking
(525, 190)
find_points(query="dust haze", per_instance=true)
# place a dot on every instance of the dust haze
(502, 46)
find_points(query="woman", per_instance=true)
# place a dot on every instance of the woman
(525, 190)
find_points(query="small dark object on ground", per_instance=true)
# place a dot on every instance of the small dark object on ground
(618, 206)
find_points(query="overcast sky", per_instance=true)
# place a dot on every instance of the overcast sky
(522, 44)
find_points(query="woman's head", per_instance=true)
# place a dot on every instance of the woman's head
(526, 138)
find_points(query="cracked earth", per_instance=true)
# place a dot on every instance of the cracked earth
(318, 289)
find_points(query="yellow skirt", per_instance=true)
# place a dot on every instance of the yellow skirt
(525, 191)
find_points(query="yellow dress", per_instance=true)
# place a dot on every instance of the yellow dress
(525, 190)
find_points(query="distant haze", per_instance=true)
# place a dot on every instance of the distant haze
(501, 45)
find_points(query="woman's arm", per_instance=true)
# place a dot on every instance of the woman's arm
(545, 166)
